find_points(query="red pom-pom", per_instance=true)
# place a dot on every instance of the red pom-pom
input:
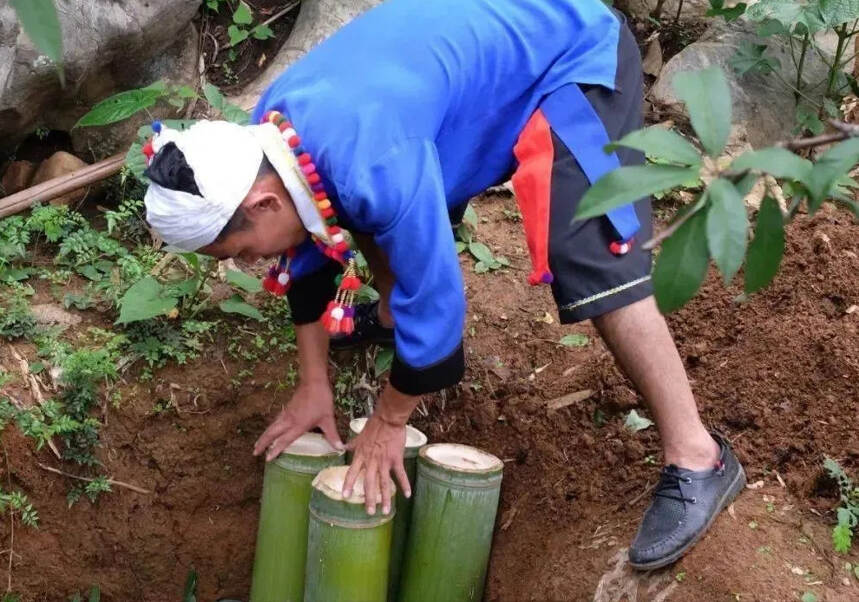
(320, 196)
(313, 178)
(350, 283)
(148, 150)
(294, 141)
(347, 326)
(342, 247)
(304, 158)
(328, 212)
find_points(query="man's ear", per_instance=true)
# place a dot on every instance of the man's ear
(260, 202)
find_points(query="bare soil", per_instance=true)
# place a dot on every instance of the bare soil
(779, 375)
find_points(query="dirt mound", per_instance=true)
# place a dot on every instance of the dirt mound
(777, 374)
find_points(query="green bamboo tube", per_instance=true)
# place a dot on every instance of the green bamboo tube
(414, 441)
(348, 551)
(450, 535)
(281, 549)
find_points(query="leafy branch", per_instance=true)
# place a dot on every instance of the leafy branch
(716, 225)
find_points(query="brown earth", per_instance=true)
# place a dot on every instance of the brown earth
(779, 375)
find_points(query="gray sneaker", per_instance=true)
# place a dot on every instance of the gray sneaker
(685, 504)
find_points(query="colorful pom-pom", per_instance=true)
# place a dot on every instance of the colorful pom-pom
(157, 126)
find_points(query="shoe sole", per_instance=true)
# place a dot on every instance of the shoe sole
(732, 492)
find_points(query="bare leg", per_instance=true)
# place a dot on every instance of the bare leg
(641, 343)
(383, 278)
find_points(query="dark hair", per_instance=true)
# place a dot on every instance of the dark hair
(239, 220)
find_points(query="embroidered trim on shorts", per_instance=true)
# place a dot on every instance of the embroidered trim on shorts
(604, 294)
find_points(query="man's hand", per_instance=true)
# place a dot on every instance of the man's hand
(311, 405)
(378, 451)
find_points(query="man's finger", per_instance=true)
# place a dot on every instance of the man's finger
(371, 487)
(329, 430)
(402, 478)
(274, 430)
(351, 475)
(384, 475)
(281, 443)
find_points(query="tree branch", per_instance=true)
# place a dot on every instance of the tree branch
(89, 480)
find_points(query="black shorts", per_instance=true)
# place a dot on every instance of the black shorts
(588, 278)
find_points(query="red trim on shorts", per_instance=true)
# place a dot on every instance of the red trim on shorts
(532, 185)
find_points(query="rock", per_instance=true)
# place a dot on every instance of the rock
(764, 108)
(652, 62)
(50, 313)
(317, 20)
(693, 10)
(17, 177)
(178, 64)
(109, 46)
(60, 164)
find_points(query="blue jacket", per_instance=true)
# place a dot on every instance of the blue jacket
(413, 108)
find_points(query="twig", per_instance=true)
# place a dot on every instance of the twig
(89, 480)
(844, 131)
(24, 368)
(285, 10)
(11, 525)
(661, 236)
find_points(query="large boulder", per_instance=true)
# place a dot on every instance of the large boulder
(764, 107)
(317, 20)
(109, 46)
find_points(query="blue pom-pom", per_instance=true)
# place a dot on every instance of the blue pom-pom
(156, 126)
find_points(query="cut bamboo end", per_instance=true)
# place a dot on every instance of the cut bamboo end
(465, 458)
(415, 439)
(309, 454)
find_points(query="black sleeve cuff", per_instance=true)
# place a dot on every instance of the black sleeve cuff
(309, 296)
(417, 381)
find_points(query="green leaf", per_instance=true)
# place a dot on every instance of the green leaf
(460, 247)
(660, 143)
(730, 14)
(123, 105)
(842, 538)
(248, 283)
(144, 300)
(708, 100)
(681, 264)
(481, 252)
(190, 592)
(767, 248)
(788, 13)
(836, 12)
(481, 267)
(634, 422)
(807, 119)
(95, 594)
(778, 162)
(262, 32)
(243, 15)
(727, 227)
(470, 217)
(237, 35)
(808, 597)
(213, 5)
(625, 185)
(39, 20)
(384, 360)
(828, 169)
(230, 111)
(237, 305)
(574, 340)
(750, 58)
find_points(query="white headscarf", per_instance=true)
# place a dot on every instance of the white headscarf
(225, 158)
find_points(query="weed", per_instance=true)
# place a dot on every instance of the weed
(17, 502)
(848, 510)
(16, 319)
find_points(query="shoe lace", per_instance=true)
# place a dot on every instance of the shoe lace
(669, 482)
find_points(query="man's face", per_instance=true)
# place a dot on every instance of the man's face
(271, 226)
